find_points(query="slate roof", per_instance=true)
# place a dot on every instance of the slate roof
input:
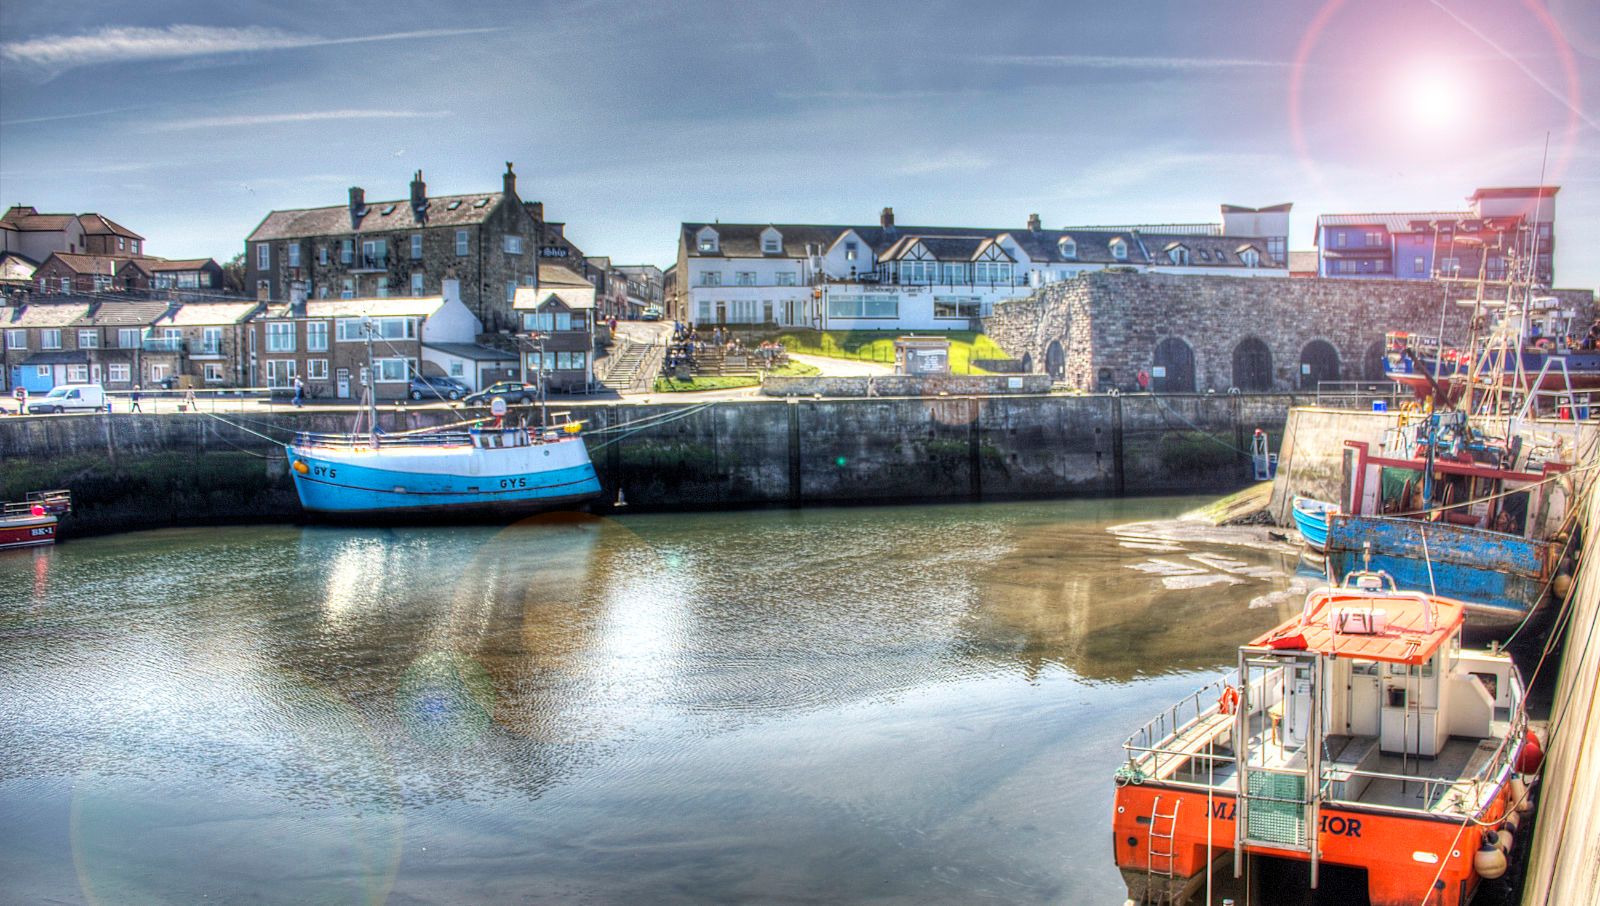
(30, 220)
(528, 298)
(391, 307)
(101, 225)
(58, 357)
(43, 314)
(195, 314)
(473, 351)
(164, 265)
(1396, 222)
(557, 275)
(381, 217)
(87, 264)
(1208, 251)
(122, 314)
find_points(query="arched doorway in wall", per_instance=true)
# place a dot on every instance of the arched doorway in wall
(1027, 363)
(1174, 367)
(1252, 365)
(1372, 363)
(1319, 362)
(1055, 360)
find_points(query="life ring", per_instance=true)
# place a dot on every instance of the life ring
(1544, 343)
(1228, 701)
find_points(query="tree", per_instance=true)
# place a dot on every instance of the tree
(233, 274)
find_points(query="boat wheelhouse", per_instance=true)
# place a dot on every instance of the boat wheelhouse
(1359, 734)
(472, 471)
(32, 522)
(1443, 509)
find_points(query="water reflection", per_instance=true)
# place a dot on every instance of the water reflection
(900, 704)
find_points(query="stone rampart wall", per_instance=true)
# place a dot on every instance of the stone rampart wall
(906, 385)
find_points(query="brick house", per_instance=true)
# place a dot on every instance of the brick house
(561, 313)
(65, 273)
(486, 241)
(323, 342)
(37, 235)
(34, 350)
(121, 347)
(50, 343)
(161, 274)
(205, 342)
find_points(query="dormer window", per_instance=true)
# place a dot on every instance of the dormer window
(1250, 257)
(771, 241)
(1119, 250)
(706, 240)
(1068, 247)
(1178, 255)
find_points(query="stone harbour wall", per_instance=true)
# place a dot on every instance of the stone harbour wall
(1098, 330)
(906, 385)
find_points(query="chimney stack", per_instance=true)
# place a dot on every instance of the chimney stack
(536, 208)
(886, 219)
(1033, 223)
(358, 206)
(297, 300)
(419, 197)
(510, 180)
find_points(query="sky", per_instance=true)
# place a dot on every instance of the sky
(188, 121)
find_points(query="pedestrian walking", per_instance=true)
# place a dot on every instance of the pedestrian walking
(299, 392)
(133, 399)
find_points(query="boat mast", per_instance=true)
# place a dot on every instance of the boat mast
(372, 385)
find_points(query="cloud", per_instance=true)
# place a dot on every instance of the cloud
(925, 164)
(913, 94)
(1090, 61)
(308, 116)
(54, 54)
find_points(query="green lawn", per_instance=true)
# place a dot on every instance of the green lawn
(878, 346)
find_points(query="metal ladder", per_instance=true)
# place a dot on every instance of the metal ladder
(1160, 854)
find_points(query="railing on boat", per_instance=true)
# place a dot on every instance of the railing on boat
(366, 441)
(1170, 725)
(55, 502)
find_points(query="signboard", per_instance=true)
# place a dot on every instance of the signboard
(1159, 371)
(1305, 368)
(1014, 383)
(552, 251)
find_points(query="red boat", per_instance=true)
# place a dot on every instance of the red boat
(32, 522)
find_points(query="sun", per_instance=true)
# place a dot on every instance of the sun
(1432, 98)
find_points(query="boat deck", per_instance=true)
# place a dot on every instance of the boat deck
(1354, 769)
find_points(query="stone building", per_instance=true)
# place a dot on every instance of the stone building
(73, 342)
(557, 330)
(206, 342)
(1190, 333)
(488, 241)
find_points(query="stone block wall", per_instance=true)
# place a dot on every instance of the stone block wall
(894, 385)
(1098, 330)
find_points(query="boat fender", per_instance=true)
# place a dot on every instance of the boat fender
(1531, 756)
(301, 467)
(1520, 797)
(1505, 839)
(1489, 862)
(1561, 585)
(1228, 701)
(1511, 821)
(37, 510)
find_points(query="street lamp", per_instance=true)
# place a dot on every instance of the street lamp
(527, 343)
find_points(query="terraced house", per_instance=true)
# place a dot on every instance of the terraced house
(487, 241)
(50, 343)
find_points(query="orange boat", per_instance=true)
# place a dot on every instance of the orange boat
(1358, 734)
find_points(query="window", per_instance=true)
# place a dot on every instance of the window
(66, 284)
(1418, 265)
(771, 244)
(511, 291)
(77, 374)
(294, 254)
(711, 278)
(374, 253)
(708, 242)
(392, 370)
(118, 373)
(1374, 238)
(351, 329)
(213, 372)
(992, 271)
(158, 372)
(918, 271)
(461, 242)
(849, 251)
(348, 289)
(704, 316)
(17, 338)
(316, 336)
(50, 338)
(744, 278)
(570, 361)
(957, 307)
(457, 368)
(513, 245)
(548, 320)
(88, 339)
(263, 257)
(1449, 267)
(416, 284)
(1179, 255)
(786, 278)
(102, 282)
(322, 255)
(317, 369)
(211, 340)
(191, 279)
(383, 287)
(136, 246)
(42, 371)
(120, 245)
(882, 305)
(280, 336)
(280, 372)
(1339, 240)
(347, 251)
(1250, 257)
(416, 245)
(127, 337)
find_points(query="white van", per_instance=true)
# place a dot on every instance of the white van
(69, 398)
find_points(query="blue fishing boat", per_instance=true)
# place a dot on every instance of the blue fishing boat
(1311, 518)
(480, 471)
(1455, 513)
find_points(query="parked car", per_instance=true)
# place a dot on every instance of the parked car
(653, 313)
(436, 387)
(71, 397)
(511, 391)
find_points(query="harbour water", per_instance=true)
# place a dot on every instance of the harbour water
(894, 705)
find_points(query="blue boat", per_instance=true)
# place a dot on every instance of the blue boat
(1311, 518)
(1457, 514)
(488, 471)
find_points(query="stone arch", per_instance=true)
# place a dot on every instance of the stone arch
(1319, 362)
(1252, 365)
(1055, 360)
(1176, 357)
(1027, 363)
(1372, 363)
